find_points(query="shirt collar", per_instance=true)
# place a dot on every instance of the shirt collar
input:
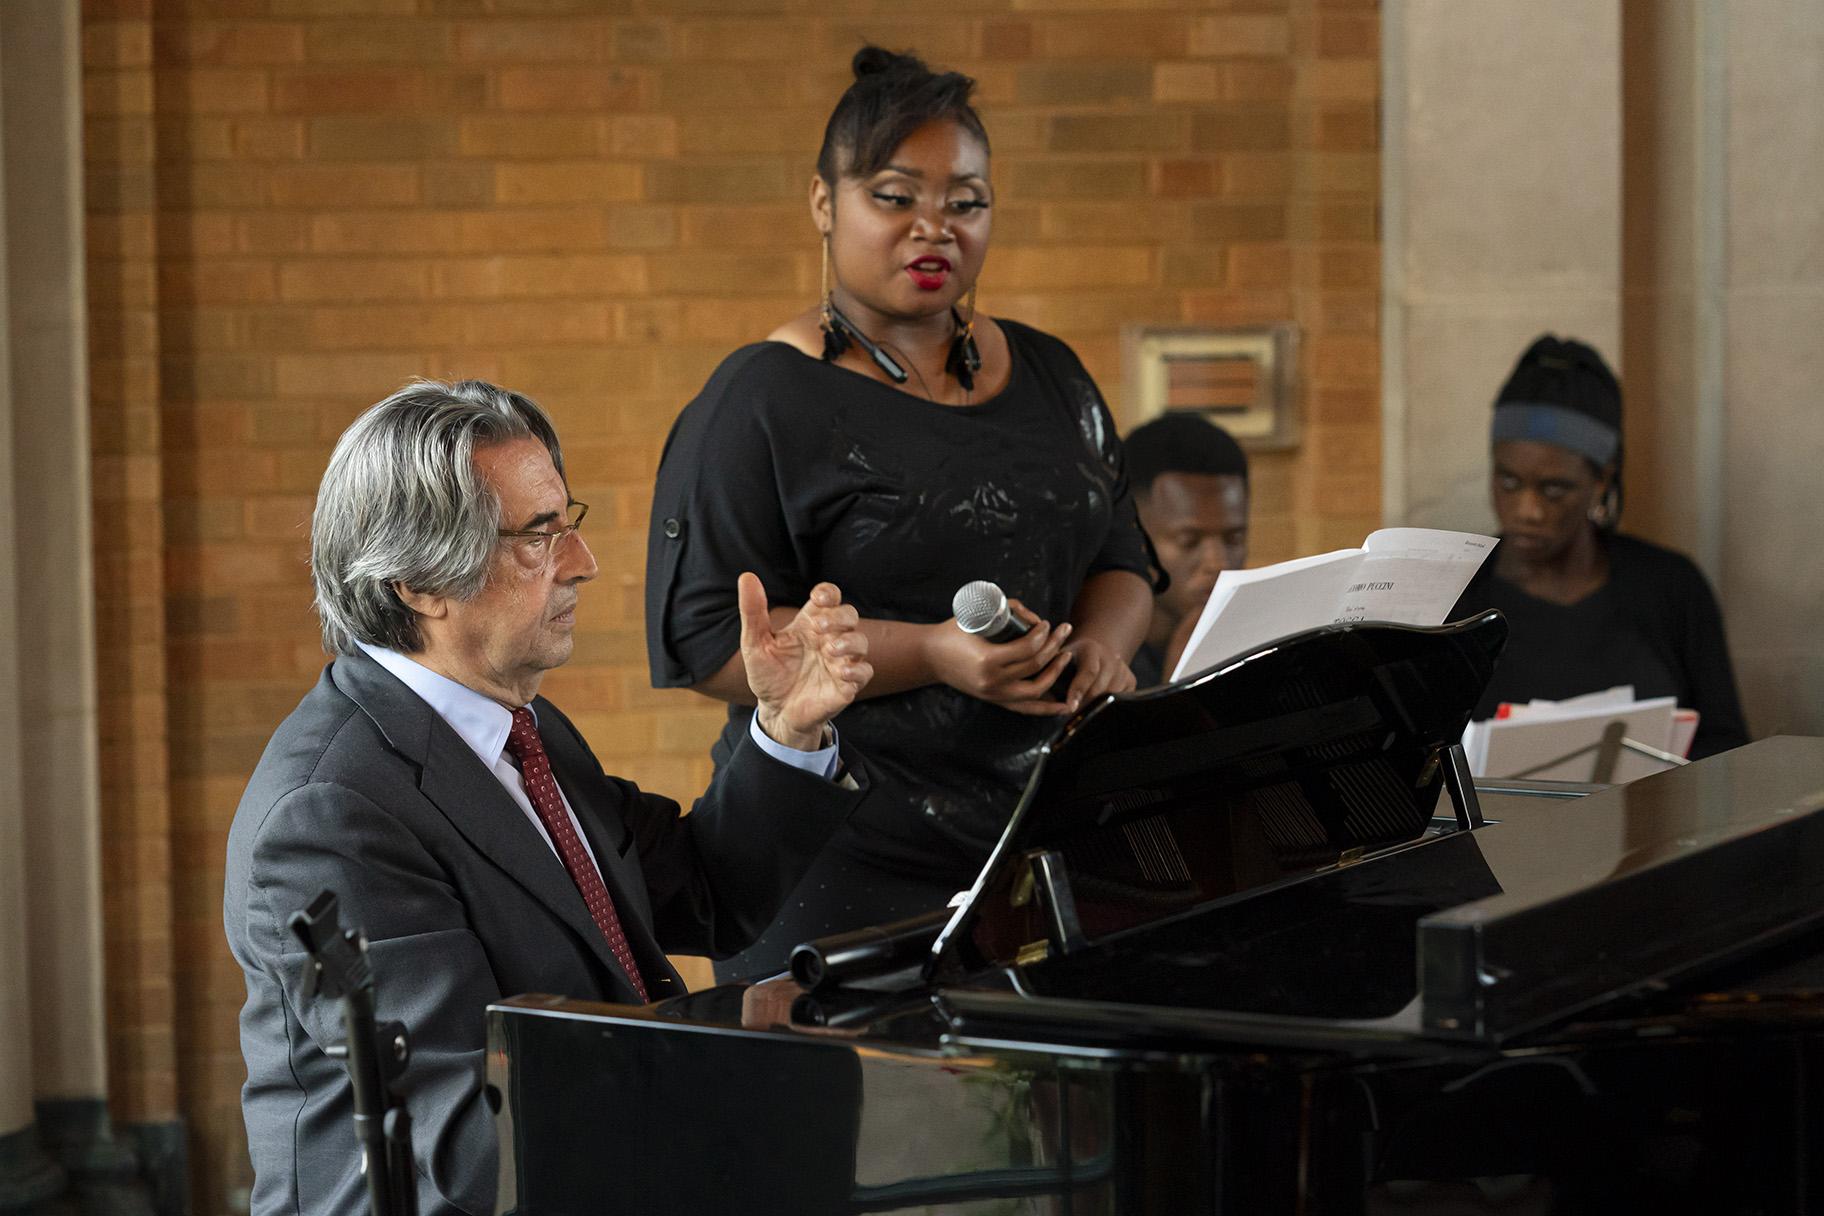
(481, 722)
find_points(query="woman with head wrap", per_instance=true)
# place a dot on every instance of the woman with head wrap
(1588, 607)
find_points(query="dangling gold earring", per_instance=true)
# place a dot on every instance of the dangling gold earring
(835, 340)
(965, 357)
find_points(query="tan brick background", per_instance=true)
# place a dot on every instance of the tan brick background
(297, 204)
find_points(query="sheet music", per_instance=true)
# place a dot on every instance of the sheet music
(1412, 576)
(1620, 695)
(1409, 576)
(1526, 743)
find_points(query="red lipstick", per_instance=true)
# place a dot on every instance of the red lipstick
(929, 273)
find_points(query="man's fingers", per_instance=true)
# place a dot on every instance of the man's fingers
(756, 626)
(826, 595)
(840, 619)
(837, 619)
(838, 644)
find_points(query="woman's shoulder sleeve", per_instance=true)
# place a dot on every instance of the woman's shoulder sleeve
(1658, 571)
(1050, 351)
(1125, 545)
(718, 510)
(742, 384)
(1672, 584)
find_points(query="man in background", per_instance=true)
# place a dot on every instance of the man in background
(1190, 481)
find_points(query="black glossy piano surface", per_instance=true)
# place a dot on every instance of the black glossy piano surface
(1563, 1004)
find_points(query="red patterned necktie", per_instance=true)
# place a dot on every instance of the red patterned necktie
(541, 788)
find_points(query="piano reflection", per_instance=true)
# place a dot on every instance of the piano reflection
(1252, 943)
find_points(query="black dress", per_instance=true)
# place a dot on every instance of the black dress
(803, 471)
(1148, 666)
(1655, 624)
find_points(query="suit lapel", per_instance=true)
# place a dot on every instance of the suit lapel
(469, 795)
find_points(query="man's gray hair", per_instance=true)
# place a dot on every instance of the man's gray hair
(402, 504)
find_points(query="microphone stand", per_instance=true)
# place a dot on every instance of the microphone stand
(376, 1054)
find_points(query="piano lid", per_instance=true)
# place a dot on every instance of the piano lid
(1307, 754)
(1630, 890)
(1613, 907)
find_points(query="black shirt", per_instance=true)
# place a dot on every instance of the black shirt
(1148, 666)
(804, 471)
(1654, 624)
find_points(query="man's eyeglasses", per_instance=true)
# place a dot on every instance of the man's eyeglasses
(535, 547)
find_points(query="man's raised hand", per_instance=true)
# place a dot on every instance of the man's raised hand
(806, 673)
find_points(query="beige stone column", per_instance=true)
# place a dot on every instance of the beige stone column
(27, 1176)
(1772, 581)
(1674, 167)
(1725, 302)
(1501, 187)
(49, 804)
(15, 977)
(55, 583)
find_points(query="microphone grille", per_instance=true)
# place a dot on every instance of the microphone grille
(977, 604)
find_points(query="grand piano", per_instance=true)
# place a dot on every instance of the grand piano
(1253, 943)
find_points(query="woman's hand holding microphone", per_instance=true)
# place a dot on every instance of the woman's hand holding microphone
(998, 650)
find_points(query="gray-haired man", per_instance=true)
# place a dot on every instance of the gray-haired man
(462, 820)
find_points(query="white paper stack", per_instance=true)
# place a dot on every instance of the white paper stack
(1561, 740)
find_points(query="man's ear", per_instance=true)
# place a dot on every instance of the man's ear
(424, 604)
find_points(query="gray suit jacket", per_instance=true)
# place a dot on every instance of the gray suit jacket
(365, 790)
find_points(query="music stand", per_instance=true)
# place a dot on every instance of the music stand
(1608, 750)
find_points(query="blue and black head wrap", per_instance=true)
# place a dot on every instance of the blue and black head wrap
(1562, 393)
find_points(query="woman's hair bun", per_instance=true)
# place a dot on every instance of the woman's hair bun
(892, 95)
(876, 60)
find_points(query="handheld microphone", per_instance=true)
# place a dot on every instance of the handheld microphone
(981, 608)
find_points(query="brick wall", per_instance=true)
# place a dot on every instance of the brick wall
(297, 204)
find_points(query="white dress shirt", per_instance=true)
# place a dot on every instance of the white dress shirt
(484, 723)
